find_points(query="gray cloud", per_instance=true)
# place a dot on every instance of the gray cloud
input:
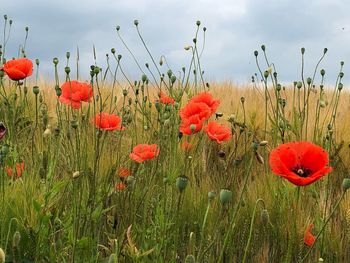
(235, 30)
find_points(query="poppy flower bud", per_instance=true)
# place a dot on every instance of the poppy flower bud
(308, 81)
(194, 40)
(265, 217)
(76, 174)
(16, 239)
(130, 181)
(340, 86)
(211, 195)
(173, 79)
(323, 72)
(242, 100)
(136, 22)
(5, 149)
(341, 74)
(58, 92)
(169, 73)
(55, 61)
(346, 184)
(302, 50)
(67, 55)
(181, 183)
(198, 23)
(266, 74)
(256, 53)
(2, 256)
(67, 70)
(36, 90)
(225, 196)
(144, 78)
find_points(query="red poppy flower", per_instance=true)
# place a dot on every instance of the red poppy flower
(195, 109)
(208, 99)
(301, 163)
(123, 172)
(120, 186)
(18, 69)
(217, 132)
(163, 98)
(108, 122)
(309, 238)
(143, 152)
(74, 92)
(19, 170)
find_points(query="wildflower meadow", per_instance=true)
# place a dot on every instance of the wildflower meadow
(98, 167)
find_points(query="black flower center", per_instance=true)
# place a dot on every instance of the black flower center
(301, 171)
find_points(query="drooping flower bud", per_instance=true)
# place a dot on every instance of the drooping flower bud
(346, 184)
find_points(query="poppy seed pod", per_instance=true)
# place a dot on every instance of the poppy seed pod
(36, 90)
(198, 23)
(55, 61)
(256, 53)
(225, 196)
(211, 195)
(181, 182)
(144, 78)
(2, 256)
(346, 184)
(136, 22)
(299, 85)
(323, 72)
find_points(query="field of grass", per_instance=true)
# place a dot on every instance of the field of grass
(71, 191)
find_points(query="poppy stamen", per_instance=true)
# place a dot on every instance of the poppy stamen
(302, 172)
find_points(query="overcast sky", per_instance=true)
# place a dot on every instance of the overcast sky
(235, 28)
